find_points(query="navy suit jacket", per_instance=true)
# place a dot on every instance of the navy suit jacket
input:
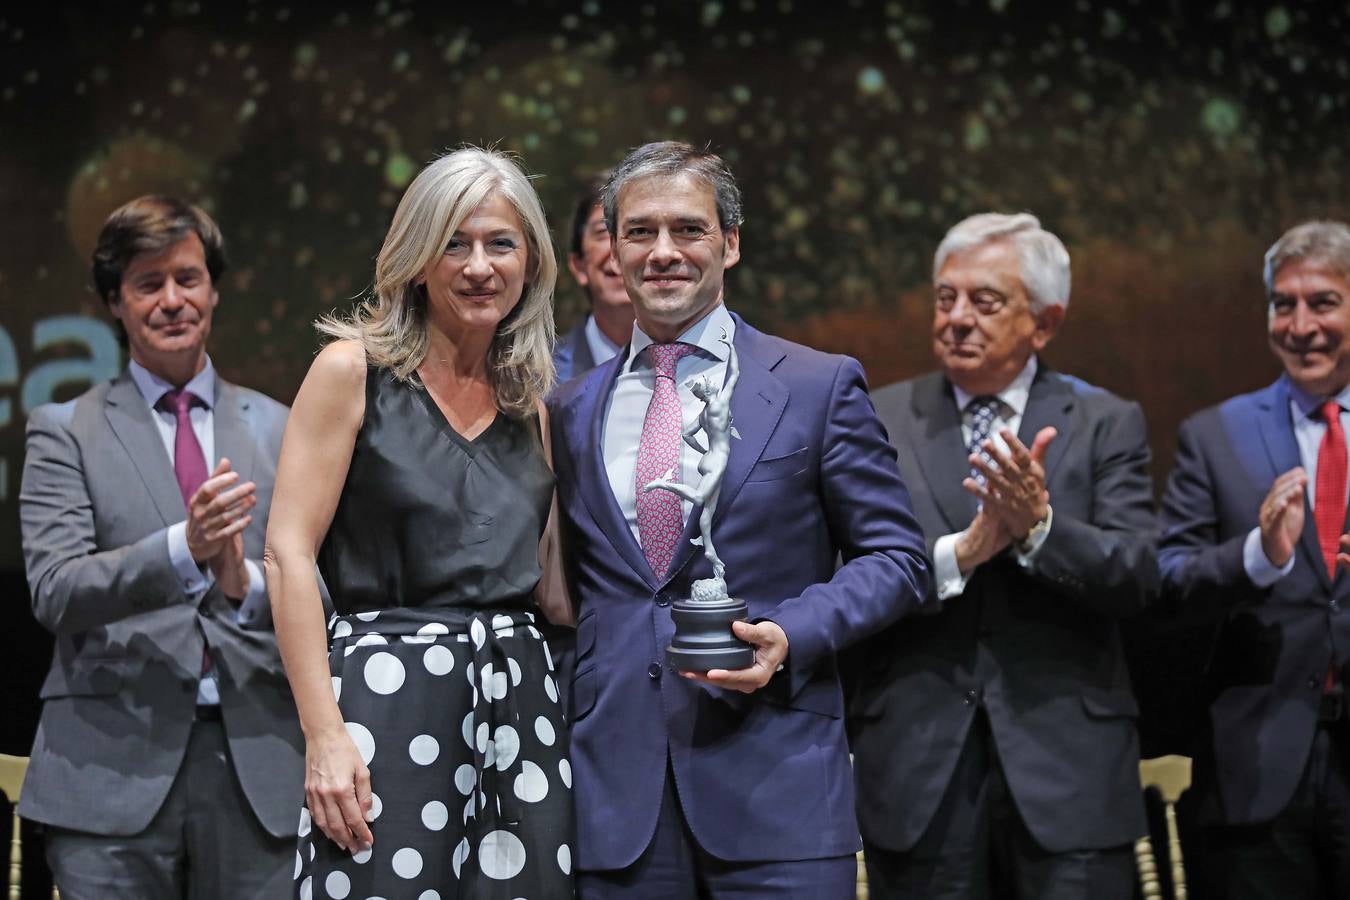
(1273, 645)
(572, 355)
(763, 776)
(1038, 648)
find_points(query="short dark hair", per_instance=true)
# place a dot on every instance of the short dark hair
(670, 159)
(587, 200)
(151, 224)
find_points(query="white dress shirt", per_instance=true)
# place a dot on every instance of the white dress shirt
(601, 347)
(1012, 404)
(632, 393)
(1308, 432)
(196, 580)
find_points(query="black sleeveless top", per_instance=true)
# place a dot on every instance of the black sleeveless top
(428, 518)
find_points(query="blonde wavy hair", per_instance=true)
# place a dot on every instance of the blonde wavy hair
(391, 322)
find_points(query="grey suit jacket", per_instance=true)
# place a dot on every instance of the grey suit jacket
(97, 495)
(1038, 648)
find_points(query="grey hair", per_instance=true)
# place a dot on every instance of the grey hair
(391, 323)
(1324, 241)
(1045, 262)
(670, 159)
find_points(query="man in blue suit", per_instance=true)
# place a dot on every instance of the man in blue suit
(606, 327)
(1254, 516)
(733, 782)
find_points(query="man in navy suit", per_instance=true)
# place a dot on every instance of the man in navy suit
(733, 782)
(1254, 515)
(605, 329)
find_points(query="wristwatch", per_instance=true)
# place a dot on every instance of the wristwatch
(1037, 534)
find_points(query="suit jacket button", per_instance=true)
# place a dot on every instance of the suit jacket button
(662, 599)
(1335, 605)
(970, 698)
(1313, 681)
(654, 671)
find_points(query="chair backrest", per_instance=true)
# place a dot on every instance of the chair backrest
(1171, 776)
(12, 771)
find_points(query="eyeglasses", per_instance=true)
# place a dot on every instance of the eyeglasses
(984, 302)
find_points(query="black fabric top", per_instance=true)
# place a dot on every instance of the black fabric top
(428, 518)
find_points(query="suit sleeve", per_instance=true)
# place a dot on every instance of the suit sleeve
(1196, 564)
(885, 571)
(75, 586)
(1108, 564)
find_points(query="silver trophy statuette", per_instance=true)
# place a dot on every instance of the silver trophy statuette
(703, 638)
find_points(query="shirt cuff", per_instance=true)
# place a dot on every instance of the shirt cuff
(1262, 572)
(1026, 551)
(946, 572)
(253, 612)
(193, 578)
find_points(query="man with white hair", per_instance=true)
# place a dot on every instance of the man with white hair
(994, 731)
(1254, 538)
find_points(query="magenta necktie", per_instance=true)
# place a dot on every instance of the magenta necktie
(189, 464)
(659, 517)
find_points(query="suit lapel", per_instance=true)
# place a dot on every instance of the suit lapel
(582, 361)
(585, 427)
(757, 405)
(234, 440)
(133, 423)
(1049, 403)
(942, 452)
(1277, 435)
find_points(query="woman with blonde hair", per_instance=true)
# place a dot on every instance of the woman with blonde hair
(415, 474)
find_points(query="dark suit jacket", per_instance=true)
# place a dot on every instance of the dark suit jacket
(572, 355)
(763, 776)
(98, 494)
(1039, 648)
(1265, 675)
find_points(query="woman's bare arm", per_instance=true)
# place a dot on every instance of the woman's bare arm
(315, 456)
(551, 595)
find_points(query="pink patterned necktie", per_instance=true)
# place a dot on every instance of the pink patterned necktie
(659, 517)
(189, 463)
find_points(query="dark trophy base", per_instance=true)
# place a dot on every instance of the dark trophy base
(703, 638)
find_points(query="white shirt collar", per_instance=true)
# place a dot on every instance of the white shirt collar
(1303, 405)
(152, 387)
(1014, 396)
(705, 334)
(601, 347)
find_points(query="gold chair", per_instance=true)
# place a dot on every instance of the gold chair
(1171, 775)
(12, 770)
(862, 878)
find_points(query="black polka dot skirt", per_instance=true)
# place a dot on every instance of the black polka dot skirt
(456, 713)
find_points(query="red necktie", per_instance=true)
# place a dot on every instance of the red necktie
(1329, 500)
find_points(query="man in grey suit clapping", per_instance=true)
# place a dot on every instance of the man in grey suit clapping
(168, 758)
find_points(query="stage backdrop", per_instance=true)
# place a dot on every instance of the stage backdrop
(1168, 144)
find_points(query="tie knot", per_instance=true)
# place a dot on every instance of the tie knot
(983, 407)
(665, 356)
(1331, 411)
(178, 401)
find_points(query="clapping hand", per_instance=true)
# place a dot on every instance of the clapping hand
(1014, 483)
